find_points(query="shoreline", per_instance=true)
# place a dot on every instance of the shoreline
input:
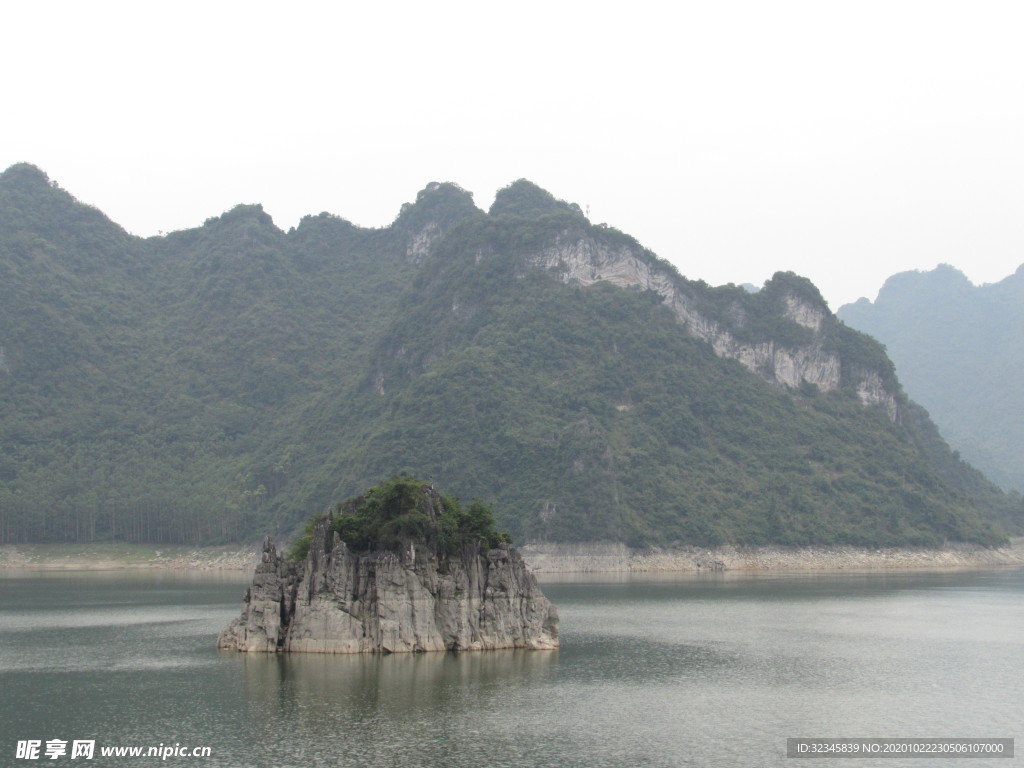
(618, 558)
(542, 558)
(119, 557)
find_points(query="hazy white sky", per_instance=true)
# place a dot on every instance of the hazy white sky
(844, 141)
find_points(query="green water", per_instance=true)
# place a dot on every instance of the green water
(714, 671)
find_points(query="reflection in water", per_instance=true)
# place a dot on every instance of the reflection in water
(391, 684)
(397, 709)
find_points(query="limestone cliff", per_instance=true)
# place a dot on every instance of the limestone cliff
(581, 258)
(340, 601)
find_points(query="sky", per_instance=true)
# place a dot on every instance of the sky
(844, 141)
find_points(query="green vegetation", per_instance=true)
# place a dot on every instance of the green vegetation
(524, 199)
(400, 511)
(218, 383)
(153, 390)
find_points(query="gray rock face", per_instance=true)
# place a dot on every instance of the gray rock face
(585, 260)
(338, 601)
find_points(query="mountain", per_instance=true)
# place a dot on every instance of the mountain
(226, 381)
(958, 350)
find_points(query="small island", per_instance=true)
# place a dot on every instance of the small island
(401, 568)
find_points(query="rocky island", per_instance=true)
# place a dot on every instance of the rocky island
(401, 568)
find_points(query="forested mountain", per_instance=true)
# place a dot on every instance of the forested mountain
(223, 382)
(959, 352)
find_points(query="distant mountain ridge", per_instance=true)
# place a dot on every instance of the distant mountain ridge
(227, 380)
(959, 352)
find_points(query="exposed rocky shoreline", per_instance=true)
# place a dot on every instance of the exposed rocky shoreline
(110, 557)
(597, 557)
(546, 558)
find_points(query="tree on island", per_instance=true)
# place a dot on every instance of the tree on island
(402, 511)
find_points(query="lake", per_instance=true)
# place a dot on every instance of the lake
(711, 670)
